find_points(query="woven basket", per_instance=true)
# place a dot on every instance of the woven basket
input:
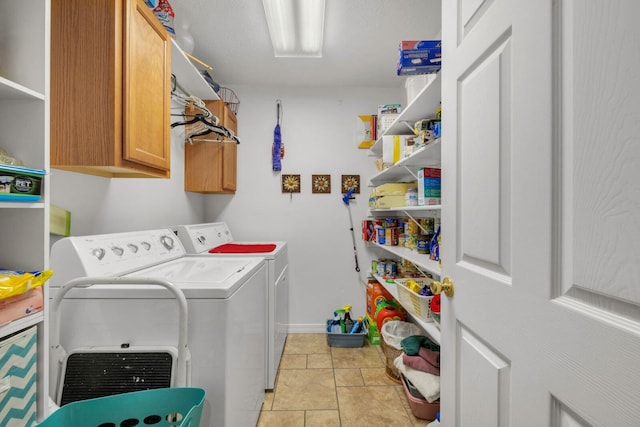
(390, 354)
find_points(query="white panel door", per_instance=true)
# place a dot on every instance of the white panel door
(541, 213)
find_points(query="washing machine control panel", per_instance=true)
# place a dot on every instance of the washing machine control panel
(199, 238)
(120, 253)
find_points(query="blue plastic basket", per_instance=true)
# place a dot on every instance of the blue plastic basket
(163, 407)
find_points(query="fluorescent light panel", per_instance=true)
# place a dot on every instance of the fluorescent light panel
(296, 27)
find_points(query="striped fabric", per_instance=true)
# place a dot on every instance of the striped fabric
(18, 362)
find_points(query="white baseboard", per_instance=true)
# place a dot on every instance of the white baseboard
(307, 329)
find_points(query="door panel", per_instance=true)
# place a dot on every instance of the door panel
(147, 79)
(541, 116)
(481, 365)
(484, 194)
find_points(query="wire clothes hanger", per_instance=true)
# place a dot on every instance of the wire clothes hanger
(209, 127)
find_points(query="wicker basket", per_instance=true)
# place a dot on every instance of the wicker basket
(390, 354)
(414, 303)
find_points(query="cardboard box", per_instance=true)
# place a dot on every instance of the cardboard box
(419, 57)
(429, 186)
(387, 202)
(394, 148)
(372, 330)
(376, 294)
(20, 184)
(22, 305)
(393, 189)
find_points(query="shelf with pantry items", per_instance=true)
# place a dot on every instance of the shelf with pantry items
(405, 170)
(422, 261)
(426, 101)
(431, 328)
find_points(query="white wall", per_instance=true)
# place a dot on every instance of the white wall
(108, 205)
(319, 133)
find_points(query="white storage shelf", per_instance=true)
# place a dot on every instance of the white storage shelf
(188, 76)
(405, 170)
(422, 261)
(24, 133)
(432, 329)
(423, 106)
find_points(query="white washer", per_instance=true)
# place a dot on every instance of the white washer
(225, 298)
(215, 239)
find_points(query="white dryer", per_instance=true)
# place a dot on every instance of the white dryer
(225, 298)
(215, 239)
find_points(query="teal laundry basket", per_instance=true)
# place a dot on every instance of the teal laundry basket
(162, 407)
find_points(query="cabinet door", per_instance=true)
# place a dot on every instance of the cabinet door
(110, 89)
(229, 160)
(147, 68)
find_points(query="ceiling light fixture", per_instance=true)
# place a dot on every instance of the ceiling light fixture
(296, 27)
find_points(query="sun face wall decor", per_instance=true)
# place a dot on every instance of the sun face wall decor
(321, 183)
(350, 182)
(290, 183)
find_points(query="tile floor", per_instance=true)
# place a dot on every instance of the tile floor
(318, 385)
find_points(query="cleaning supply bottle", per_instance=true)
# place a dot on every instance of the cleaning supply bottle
(335, 327)
(348, 322)
(340, 312)
(357, 326)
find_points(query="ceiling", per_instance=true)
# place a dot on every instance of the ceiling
(361, 40)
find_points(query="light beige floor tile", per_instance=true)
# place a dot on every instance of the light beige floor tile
(361, 357)
(293, 361)
(300, 389)
(376, 376)
(306, 344)
(281, 419)
(268, 401)
(383, 407)
(348, 377)
(322, 418)
(315, 361)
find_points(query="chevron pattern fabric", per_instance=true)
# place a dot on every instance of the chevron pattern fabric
(18, 373)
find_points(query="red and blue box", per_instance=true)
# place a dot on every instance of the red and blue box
(419, 57)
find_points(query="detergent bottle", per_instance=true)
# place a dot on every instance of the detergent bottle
(348, 322)
(357, 326)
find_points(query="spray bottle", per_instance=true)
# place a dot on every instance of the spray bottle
(348, 322)
(340, 313)
(357, 326)
(335, 327)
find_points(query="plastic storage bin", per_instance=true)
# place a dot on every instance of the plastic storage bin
(346, 340)
(20, 184)
(420, 407)
(163, 407)
(414, 303)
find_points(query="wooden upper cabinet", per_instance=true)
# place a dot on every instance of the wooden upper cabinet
(210, 165)
(110, 89)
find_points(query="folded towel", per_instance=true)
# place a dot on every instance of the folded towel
(411, 344)
(427, 384)
(417, 362)
(431, 356)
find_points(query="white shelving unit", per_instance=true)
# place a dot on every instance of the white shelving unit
(431, 328)
(405, 170)
(24, 124)
(188, 76)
